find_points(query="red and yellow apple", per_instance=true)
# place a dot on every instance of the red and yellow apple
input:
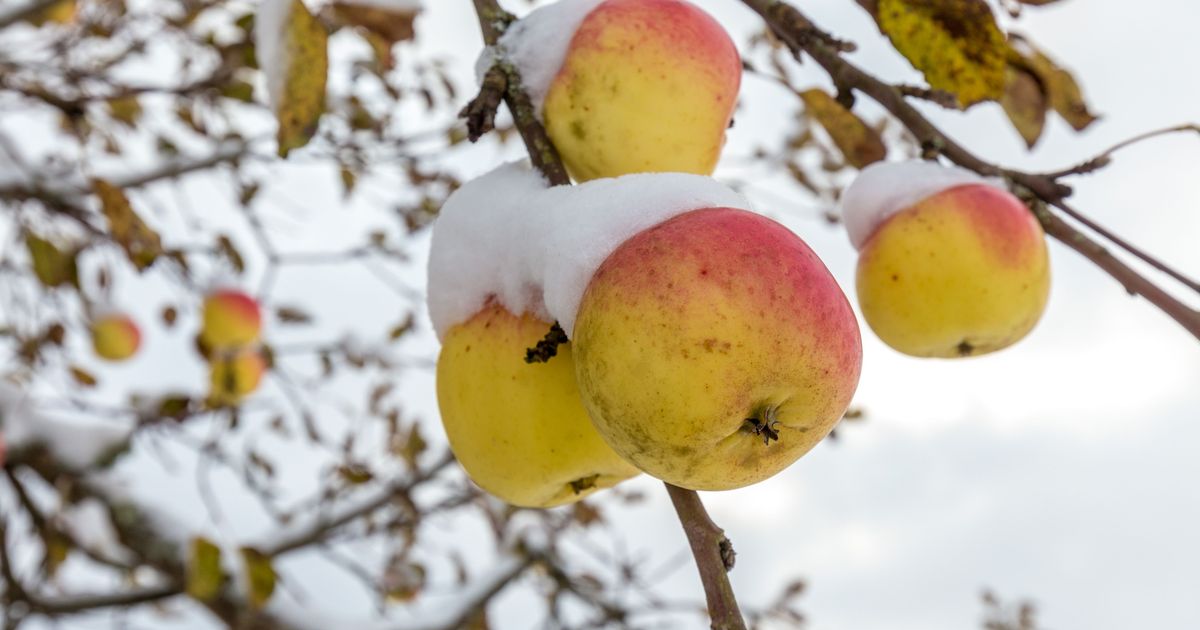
(231, 319)
(961, 272)
(715, 349)
(115, 337)
(519, 429)
(234, 375)
(645, 86)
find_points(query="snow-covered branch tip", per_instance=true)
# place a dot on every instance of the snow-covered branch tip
(503, 80)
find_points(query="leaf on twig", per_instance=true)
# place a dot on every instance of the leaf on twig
(292, 48)
(380, 25)
(142, 245)
(62, 12)
(956, 44)
(53, 267)
(204, 576)
(260, 576)
(859, 143)
(1025, 103)
(1064, 94)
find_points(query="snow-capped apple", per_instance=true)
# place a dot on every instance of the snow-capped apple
(711, 348)
(115, 336)
(715, 349)
(231, 319)
(519, 429)
(234, 375)
(949, 264)
(629, 86)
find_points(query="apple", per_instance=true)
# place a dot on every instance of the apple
(961, 272)
(231, 319)
(519, 429)
(715, 349)
(115, 337)
(645, 86)
(3, 449)
(234, 375)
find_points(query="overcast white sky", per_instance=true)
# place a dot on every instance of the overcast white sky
(1062, 469)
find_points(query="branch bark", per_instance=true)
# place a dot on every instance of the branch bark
(796, 30)
(714, 558)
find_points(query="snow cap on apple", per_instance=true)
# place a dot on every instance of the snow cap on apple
(511, 237)
(711, 347)
(626, 86)
(950, 264)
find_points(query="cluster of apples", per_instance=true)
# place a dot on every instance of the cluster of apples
(229, 340)
(698, 342)
(703, 344)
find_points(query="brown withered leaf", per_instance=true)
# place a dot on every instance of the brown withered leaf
(82, 377)
(956, 44)
(1025, 103)
(1064, 93)
(303, 99)
(859, 143)
(142, 245)
(381, 27)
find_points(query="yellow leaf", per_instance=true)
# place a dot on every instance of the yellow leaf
(1064, 93)
(1025, 104)
(126, 110)
(954, 43)
(303, 98)
(260, 576)
(141, 244)
(52, 266)
(859, 143)
(204, 576)
(58, 13)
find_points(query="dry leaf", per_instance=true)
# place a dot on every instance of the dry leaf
(954, 43)
(859, 143)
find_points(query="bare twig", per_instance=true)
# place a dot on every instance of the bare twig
(1105, 157)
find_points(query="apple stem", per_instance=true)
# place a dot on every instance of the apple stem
(714, 558)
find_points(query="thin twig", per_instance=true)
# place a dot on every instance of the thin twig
(1105, 157)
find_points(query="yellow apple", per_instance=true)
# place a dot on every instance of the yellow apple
(231, 319)
(519, 429)
(645, 86)
(235, 375)
(961, 272)
(115, 337)
(715, 349)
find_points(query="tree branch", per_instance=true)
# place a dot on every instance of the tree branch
(492, 22)
(790, 25)
(714, 558)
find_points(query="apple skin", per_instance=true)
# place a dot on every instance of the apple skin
(694, 330)
(115, 337)
(963, 272)
(231, 319)
(646, 86)
(234, 376)
(519, 429)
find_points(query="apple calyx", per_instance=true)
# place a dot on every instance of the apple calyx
(547, 347)
(764, 423)
(583, 484)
